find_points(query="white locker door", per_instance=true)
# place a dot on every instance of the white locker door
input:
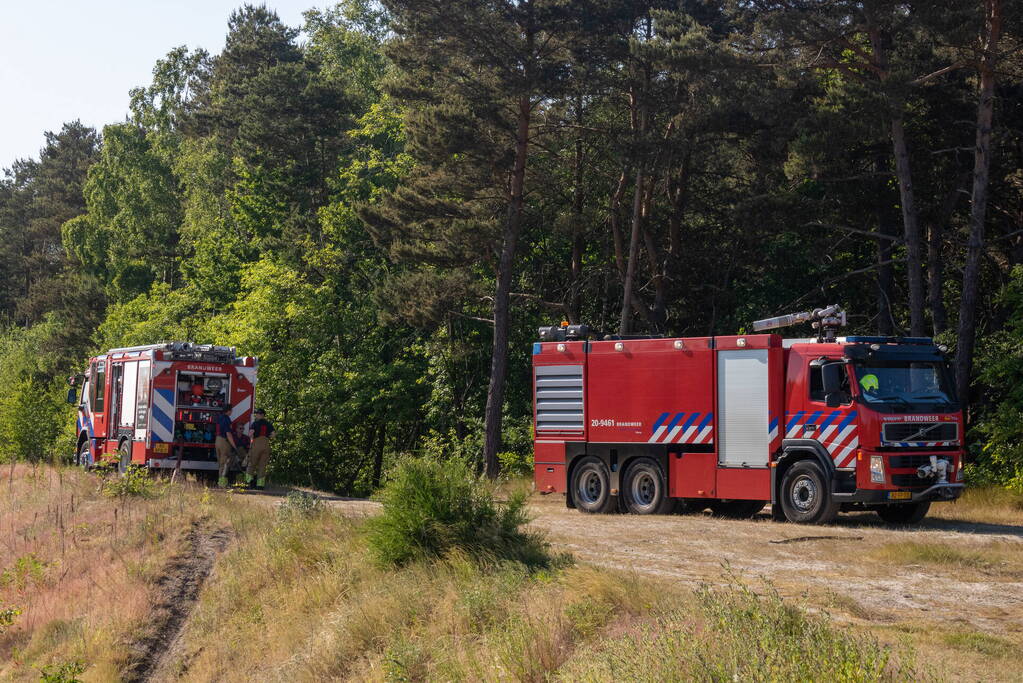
(127, 414)
(743, 438)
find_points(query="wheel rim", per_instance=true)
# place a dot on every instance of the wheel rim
(83, 456)
(590, 487)
(804, 494)
(644, 489)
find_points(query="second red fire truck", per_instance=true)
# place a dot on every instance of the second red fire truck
(812, 426)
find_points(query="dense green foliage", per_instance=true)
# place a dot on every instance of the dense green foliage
(384, 204)
(433, 508)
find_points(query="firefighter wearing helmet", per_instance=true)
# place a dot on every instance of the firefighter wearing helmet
(259, 454)
(870, 383)
(224, 444)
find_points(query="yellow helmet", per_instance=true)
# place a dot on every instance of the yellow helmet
(870, 383)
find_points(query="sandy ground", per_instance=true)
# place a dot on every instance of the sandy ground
(843, 559)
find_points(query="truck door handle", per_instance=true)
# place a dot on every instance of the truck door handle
(809, 428)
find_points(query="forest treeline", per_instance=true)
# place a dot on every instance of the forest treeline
(384, 203)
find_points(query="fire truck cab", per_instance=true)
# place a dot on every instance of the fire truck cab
(812, 426)
(156, 405)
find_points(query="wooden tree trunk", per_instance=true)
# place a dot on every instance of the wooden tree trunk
(911, 227)
(502, 295)
(378, 454)
(978, 207)
(630, 269)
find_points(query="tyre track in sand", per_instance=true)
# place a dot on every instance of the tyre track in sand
(177, 593)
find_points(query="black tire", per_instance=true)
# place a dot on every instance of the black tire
(645, 492)
(904, 513)
(83, 455)
(737, 509)
(806, 495)
(591, 486)
(124, 457)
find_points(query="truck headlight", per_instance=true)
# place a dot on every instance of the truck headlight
(876, 469)
(959, 472)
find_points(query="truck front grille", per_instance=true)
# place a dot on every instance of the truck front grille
(908, 481)
(914, 461)
(909, 432)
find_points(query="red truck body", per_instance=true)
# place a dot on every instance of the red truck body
(156, 405)
(723, 418)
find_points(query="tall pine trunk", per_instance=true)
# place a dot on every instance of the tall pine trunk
(502, 297)
(625, 325)
(978, 207)
(911, 226)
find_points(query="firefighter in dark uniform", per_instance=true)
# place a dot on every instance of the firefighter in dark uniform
(224, 444)
(259, 453)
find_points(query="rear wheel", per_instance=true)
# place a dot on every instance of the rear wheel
(591, 488)
(806, 496)
(124, 457)
(738, 509)
(645, 492)
(904, 513)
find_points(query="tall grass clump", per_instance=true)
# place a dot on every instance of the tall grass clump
(733, 633)
(431, 508)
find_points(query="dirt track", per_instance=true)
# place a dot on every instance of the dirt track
(178, 591)
(844, 560)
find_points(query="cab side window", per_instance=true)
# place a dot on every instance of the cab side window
(817, 385)
(99, 387)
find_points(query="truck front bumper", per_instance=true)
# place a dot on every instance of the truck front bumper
(946, 491)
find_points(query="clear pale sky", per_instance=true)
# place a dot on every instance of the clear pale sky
(62, 60)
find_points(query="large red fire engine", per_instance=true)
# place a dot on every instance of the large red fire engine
(813, 426)
(156, 405)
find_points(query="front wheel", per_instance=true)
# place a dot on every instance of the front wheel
(591, 487)
(84, 456)
(904, 513)
(806, 496)
(645, 491)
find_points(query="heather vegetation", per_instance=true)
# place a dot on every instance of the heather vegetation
(385, 202)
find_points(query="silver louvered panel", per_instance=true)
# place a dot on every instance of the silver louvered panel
(559, 398)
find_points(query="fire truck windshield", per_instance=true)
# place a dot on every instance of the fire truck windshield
(905, 385)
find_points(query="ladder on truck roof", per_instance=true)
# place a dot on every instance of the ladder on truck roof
(186, 351)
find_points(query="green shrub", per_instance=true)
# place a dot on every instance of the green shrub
(300, 504)
(433, 507)
(7, 616)
(135, 483)
(68, 672)
(31, 420)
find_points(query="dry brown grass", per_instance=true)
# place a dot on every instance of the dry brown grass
(80, 567)
(984, 505)
(986, 560)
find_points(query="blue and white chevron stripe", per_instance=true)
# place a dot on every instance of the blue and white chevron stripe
(162, 422)
(683, 429)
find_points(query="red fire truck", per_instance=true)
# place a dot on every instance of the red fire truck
(156, 405)
(813, 426)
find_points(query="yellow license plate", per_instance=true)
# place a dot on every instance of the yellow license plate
(161, 448)
(900, 495)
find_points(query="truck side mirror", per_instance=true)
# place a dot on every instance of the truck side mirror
(72, 395)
